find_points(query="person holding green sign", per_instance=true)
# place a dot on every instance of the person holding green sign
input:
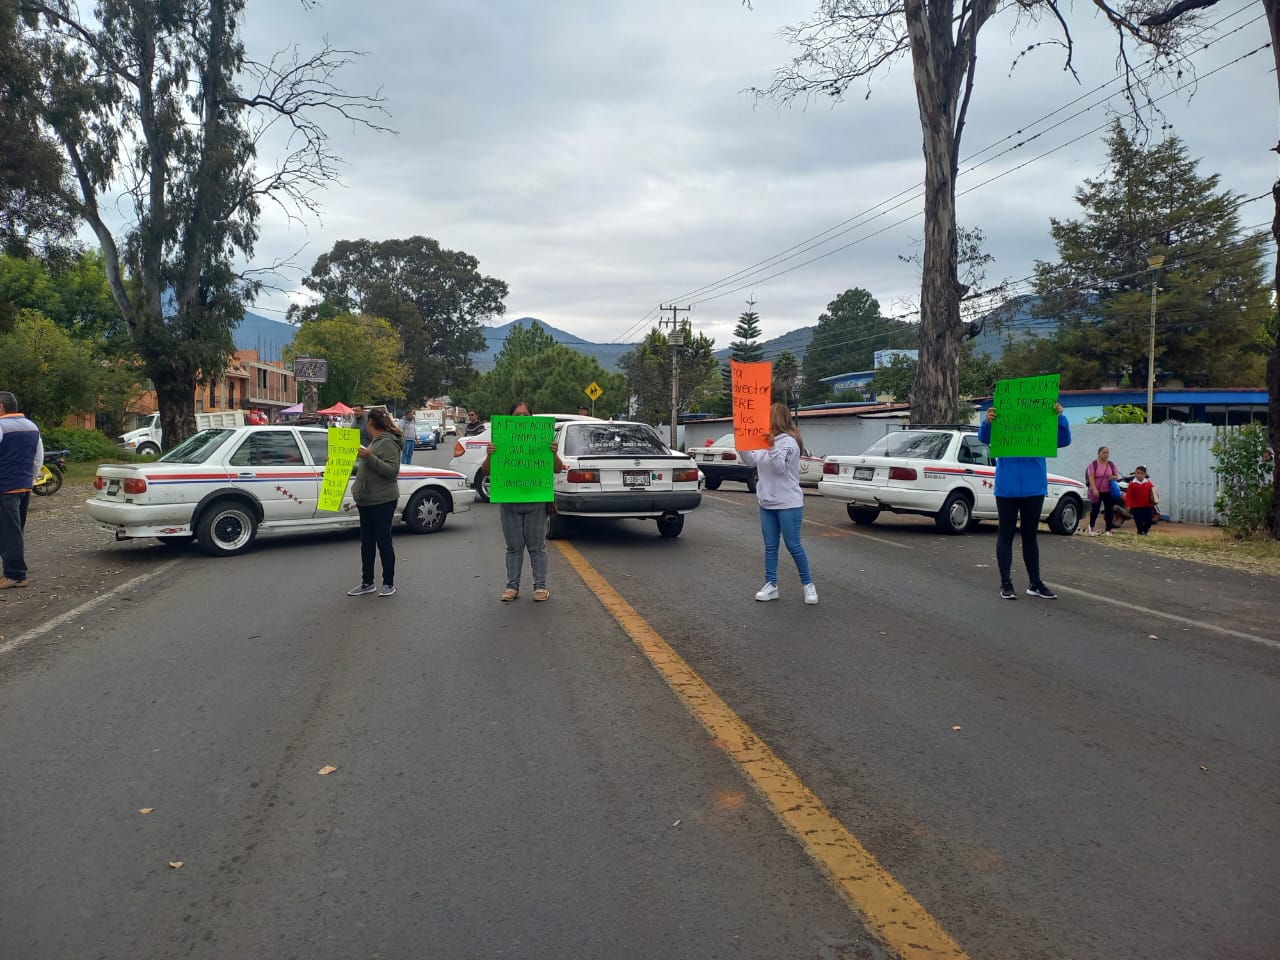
(1022, 483)
(524, 527)
(375, 491)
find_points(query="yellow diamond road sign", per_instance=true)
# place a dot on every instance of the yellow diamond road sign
(593, 391)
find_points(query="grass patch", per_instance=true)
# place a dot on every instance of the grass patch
(1253, 556)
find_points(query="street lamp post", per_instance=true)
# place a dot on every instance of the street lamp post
(1155, 262)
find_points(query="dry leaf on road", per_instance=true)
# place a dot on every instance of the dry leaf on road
(326, 770)
(175, 864)
(956, 727)
(145, 810)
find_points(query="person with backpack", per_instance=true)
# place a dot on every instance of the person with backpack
(1100, 475)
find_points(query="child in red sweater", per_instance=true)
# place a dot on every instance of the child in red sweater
(1140, 499)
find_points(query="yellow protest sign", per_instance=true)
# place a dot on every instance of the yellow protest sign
(344, 442)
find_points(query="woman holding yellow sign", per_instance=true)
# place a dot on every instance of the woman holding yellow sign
(375, 491)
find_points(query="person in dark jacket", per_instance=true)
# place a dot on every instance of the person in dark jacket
(375, 491)
(474, 425)
(1022, 483)
(360, 421)
(21, 457)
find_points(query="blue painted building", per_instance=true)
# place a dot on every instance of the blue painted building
(1224, 406)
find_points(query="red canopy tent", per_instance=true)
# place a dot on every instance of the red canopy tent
(339, 409)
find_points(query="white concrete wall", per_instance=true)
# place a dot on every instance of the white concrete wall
(823, 436)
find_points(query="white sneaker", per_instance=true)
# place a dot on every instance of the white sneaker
(768, 592)
(810, 593)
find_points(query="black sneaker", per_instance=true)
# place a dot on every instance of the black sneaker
(1007, 592)
(1041, 591)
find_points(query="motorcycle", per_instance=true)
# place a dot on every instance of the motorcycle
(49, 480)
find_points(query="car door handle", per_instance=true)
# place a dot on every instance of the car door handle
(969, 471)
(245, 476)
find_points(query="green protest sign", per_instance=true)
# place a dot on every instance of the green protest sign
(344, 443)
(1026, 424)
(522, 468)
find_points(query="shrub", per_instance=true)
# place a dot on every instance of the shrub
(1120, 413)
(85, 445)
(1246, 499)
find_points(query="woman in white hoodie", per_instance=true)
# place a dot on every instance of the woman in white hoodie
(781, 500)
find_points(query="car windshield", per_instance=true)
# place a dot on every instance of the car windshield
(197, 448)
(916, 444)
(612, 439)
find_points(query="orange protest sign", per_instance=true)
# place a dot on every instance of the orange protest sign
(752, 391)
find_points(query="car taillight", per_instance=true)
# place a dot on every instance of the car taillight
(135, 485)
(459, 449)
(584, 476)
(729, 456)
(902, 473)
(685, 476)
(831, 468)
(99, 483)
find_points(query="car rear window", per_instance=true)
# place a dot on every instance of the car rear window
(916, 444)
(726, 441)
(197, 448)
(612, 439)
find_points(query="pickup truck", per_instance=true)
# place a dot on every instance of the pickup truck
(147, 439)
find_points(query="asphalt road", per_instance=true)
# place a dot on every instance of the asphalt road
(1092, 777)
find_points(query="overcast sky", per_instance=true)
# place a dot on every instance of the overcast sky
(602, 157)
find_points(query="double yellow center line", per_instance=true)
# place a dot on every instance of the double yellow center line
(901, 923)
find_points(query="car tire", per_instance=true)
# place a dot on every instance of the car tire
(955, 514)
(751, 484)
(226, 528)
(670, 525)
(481, 484)
(557, 527)
(1065, 519)
(426, 512)
(862, 515)
(713, 483)
(148, 450)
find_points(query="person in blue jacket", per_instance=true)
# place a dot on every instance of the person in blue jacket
(1022, 483)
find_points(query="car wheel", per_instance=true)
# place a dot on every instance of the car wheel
(1065, 519)
(226, 527)
(557, 527)
(955, 514)
(148, 450)
(863, 515)
(482, 486)
(713, 483)
(670, 524)
(751, 484)
(426, 512)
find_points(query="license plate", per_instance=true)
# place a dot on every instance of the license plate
(864, 473)
(635, 478)
(708, 457)
(113, 487)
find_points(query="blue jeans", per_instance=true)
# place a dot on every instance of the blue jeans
(784, 524)
(406, 455)
(13, 517)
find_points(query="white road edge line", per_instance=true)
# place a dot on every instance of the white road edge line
(820, 523)
(24, 638)
(1265, 641)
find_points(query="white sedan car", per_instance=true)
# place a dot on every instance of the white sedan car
(469, 453)
(223, 487)
(623, 470)
(940, 472)
(719, 461)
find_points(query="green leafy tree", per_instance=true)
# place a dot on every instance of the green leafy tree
(158, 114)
(846, 339)
(745, 349)
(495, 391)
(647, 367)
(553, 381)
(364, 358)
(1246, 478)
(978, 374)
(51, 374)
(1120, 413)
(1212, 302)
(437, 300)
(786, 373)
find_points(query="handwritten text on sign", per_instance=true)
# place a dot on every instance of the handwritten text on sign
(752, 391)
(522, 468)
(1025, 424)
(344, 442)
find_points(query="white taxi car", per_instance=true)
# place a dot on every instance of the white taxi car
(719, 461)
(941, 472)
(620, 469)
(469, 453)
(223, 487)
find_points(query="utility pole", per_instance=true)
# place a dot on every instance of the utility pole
(1155, 261)
(676, 340)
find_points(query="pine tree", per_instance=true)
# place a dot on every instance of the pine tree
(745, 349)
